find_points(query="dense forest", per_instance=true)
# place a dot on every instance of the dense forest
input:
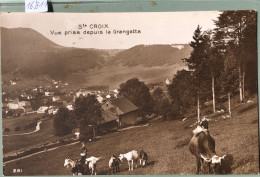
(223, 62)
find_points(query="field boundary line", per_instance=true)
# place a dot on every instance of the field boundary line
(51, 149)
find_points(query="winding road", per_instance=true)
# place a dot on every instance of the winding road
(38, 128)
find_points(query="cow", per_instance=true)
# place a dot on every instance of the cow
(131, 157)
(202, 146)
(92, 164)
(114, 164)
(143, 158)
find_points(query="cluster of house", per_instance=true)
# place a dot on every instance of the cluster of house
(101, 95)
(116, 111)
(49, 99)
(36, 100)
(17, 107)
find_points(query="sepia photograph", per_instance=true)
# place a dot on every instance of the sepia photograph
(147, 93)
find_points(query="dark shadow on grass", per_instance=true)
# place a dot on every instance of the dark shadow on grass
(226, 164)
(252, 106)
(150, 163)
(182, 143)
(108, 172)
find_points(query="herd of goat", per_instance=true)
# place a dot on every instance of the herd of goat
(201, 145)
(90, 166)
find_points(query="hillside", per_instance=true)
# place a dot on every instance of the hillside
(153, 55)
(166, 143)
(29, 53)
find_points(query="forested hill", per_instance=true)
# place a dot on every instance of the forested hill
(153, 55)
(25, 52)
(30, 53)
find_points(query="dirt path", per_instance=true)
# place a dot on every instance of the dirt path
(38, 128)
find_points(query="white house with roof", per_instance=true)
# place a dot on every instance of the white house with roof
(47, 93)
(13, 105)
(42, 109)
(70, 107)
(100, 98)
(56, 98)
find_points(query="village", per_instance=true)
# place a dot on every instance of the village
(46, 100)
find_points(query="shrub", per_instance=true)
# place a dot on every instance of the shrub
(7, 130)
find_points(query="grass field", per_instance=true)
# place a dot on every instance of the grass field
(21, 142)
(166, 145)
(22, 122)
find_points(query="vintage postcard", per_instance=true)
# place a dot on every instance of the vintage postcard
(155, 93)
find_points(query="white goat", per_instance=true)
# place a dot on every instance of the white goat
(114, 164)
(131, 157)
(92, 164)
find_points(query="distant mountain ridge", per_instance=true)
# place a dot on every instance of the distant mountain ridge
(154, 55)
(28, 53)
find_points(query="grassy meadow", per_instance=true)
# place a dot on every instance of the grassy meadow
(20, 142)
(166, 143)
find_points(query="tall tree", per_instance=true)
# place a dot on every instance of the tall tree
(214, 60)
(250, 53)
(158, 97)
(229, 76)
(196, 63)
(234, 26)
(208, 39)
(182, 92)
(138, 93)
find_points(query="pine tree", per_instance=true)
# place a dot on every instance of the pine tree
(196, 63)
(229, 76)
(181, 91)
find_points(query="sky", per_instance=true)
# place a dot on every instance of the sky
(154, 27)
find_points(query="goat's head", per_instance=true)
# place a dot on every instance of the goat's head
(66, 163)
(121, 157)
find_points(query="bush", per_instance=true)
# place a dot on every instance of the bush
(17, 128)
(7, 130)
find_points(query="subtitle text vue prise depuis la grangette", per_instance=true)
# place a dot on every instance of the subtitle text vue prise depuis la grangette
(95, 29)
